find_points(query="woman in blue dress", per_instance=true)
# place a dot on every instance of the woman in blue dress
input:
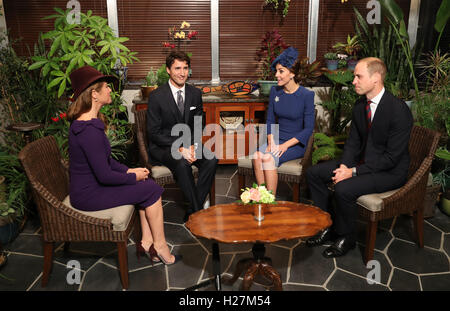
(293, 106)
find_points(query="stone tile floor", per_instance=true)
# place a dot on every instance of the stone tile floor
(403, 266)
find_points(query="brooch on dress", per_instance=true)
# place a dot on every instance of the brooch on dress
(277, 99)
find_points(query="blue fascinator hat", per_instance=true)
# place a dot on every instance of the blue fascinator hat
(286, 59)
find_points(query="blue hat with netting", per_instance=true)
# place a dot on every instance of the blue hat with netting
(286, 59)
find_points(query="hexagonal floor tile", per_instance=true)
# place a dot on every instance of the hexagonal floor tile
(343, 281)
(101, 278)
(190, 267)
(438, 282)
(424, 260)
(440, 220)
(353, 262)
(14, 271)
(404, 229)
(309, 266)
(404, 281)
(447, 244)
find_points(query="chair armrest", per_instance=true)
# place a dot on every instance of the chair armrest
(413, 191)
(306, 161)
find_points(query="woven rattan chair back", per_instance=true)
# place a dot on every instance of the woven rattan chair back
(42, 163)
(48, 176)
(410, 198)
(140, 117)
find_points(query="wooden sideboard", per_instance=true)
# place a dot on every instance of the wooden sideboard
(228, 143)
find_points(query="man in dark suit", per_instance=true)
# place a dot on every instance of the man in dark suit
(375, 158)
(174, 130)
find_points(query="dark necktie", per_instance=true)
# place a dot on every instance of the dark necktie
(368, 114)
(180, 102)
(369, 124)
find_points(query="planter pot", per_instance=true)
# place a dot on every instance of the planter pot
(146, 90)
(266, 86)
(351, 64)
(429, 203)
(332, 64)
(8, 230)
(445, 206)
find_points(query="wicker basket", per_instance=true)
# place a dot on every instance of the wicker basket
(430, 200)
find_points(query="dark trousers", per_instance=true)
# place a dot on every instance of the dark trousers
(346, 193)
(182, 171)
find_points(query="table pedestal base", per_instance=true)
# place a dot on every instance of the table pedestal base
(254, 266)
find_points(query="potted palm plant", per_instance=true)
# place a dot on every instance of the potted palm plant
(151, 83)
(272, 45)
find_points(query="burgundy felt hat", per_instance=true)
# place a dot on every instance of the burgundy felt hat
(84, 77)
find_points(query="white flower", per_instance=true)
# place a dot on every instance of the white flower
(245, 197)
(342, 56)
(277, 99)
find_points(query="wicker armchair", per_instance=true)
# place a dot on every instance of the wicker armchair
(60, 222)
(291, 171)
(407, 199)
(161, 174)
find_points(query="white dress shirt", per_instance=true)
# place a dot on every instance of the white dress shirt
(374, 103)
(175, 90)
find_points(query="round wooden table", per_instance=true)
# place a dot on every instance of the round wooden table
(234, 223)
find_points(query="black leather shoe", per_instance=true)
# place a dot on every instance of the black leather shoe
(339, 248)
(319, 238)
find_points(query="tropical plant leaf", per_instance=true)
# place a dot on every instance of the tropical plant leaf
(442, 16)
(393, 11)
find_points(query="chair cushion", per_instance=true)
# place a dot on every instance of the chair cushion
(159, 171)
(292, 167)
(245, 162)
(120, 216)
(374, 201)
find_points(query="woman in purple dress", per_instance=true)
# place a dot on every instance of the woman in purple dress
(293, 106)
(99, 182)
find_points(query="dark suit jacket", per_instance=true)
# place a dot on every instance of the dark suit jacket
(163, 114)
(385, 150)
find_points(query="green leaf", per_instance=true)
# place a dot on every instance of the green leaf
(57, 73)
(54, 82)
(37, 65)
(102, 43)
(62, 88)
(123, 47)
(391, 8)
(55, 46)
(104, 49)
(86, 59)
(402, 30)
(72, 64)
(46, 69)
(67, 57)
(442, 16)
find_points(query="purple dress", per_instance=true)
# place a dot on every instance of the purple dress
(97, 181)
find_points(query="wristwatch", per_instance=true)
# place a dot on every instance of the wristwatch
(353, 171)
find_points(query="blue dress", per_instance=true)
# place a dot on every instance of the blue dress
(97, 181)
(295, 113)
